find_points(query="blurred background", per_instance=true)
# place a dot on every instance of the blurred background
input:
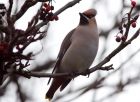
(118, 85)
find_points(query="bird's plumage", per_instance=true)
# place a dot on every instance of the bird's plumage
(77, 51)
(65, 45)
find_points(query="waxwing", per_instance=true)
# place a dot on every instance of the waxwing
(77, 52)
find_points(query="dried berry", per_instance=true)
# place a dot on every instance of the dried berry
(56, 18)
(123, 38)
(133, 3)
(51, 19)
(133, 20)
(118, 39)
(47, 9)
(45, 5)
(133, 24)
(50, 16)
(52, 7)
(46, 12)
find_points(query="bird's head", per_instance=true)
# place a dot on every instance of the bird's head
(87, 17)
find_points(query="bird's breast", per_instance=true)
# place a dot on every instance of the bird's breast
(79, 55)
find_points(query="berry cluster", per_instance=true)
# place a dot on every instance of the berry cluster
(46, 12)
(121, 38)
(126, 23)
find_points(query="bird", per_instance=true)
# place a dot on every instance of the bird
(77, 52)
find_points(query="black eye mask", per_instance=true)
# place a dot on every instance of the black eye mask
(89, 15)
(83, 19)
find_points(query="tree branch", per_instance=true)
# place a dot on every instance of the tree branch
(68, 5)
(10, 8)
(24, 8)
(117, 50)
(87, 72)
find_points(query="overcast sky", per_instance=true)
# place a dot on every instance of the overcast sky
(58, 30)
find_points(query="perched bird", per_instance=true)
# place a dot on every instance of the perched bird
(77, 52)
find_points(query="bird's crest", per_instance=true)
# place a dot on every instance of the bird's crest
(90, 13)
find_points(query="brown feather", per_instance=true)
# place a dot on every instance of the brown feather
(65, 45)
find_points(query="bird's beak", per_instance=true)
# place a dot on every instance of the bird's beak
(83, 19)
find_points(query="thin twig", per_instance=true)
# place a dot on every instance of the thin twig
(10, 8)
(24, 8)
(68, 5)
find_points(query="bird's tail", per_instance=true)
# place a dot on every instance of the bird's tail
(65, 83)
(57, 82)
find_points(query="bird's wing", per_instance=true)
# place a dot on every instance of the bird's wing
(65, 45)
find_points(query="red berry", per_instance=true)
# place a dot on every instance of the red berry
(47, 9)
(51, 19)
(50, 15)
(133, 24)
(45, 5)
(133, 20)
(56, 18)
(52, 7)
(123, 38)
(133, 3)
(118, 39)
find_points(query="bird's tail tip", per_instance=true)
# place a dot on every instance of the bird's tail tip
(47, 98)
